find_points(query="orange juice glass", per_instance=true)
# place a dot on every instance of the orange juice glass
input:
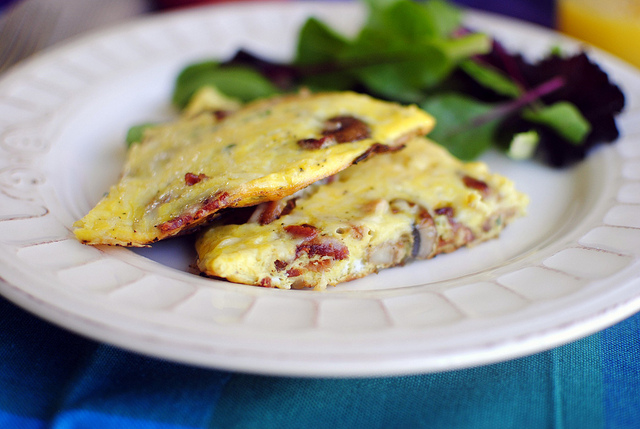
(612, 25)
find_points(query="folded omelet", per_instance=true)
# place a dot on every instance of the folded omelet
(184, 173)
(410, 204)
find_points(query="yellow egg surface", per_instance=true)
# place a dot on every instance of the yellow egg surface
(183, 173)
(393, 208)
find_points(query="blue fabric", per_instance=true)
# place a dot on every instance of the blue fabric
(51, 378)
(547, 390)
(621, 374)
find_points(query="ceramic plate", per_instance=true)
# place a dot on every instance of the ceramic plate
(567, 270)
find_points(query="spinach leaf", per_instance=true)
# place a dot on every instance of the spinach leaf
(419, 52)
(464, 125)
(136, 133)
(564, 118)
(235, 81)
(491, 78)
(318, 43)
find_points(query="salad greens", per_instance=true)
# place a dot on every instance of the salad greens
(419, 52)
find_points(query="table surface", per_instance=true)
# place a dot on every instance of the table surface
(52, 378)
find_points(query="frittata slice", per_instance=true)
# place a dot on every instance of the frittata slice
(183, 173)
(411, 204)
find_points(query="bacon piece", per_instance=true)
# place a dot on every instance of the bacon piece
(339, 129)
(374, 149)
(320, 143)
(294, 272)
(327, 248)
(319, 265)
(447, 211)
(191, 179)
(346, 129)
(478, 185)
(306, 232)
(288, 207)
(221, 114)
(218, 201)
(320, 249)
(324, 246)
(462, 234)
(266, 282)
(271, 212)
(176, 223)
(314, 244)
(266, 213)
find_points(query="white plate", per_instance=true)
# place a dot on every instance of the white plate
(567, 270)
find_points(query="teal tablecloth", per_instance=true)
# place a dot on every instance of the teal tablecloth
(51, 378)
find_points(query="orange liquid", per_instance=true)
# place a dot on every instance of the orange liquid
(612, 25)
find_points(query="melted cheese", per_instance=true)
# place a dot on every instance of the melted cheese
(249, 157)
(373, 209)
